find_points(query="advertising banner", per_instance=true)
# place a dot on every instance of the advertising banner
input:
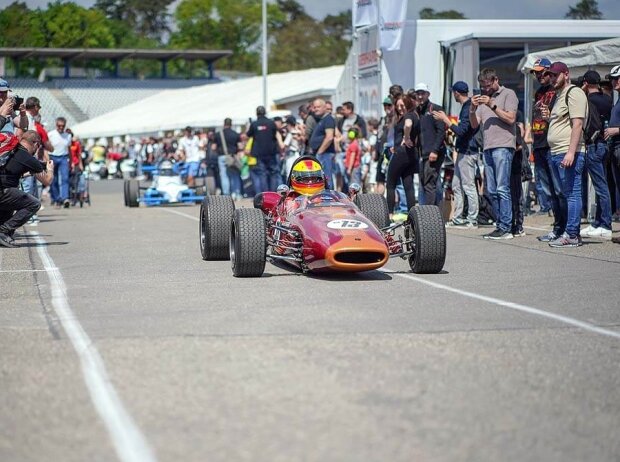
(392, 22)
(369, 73)
(364, 13)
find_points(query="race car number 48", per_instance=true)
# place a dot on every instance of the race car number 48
(346, 224)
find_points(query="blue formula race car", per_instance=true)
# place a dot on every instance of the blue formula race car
(167, 187)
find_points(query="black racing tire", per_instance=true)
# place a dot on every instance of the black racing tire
(429, 235)
(374, 207)
(126, 192)
(216, 213)
(248, 243)
(133, 193)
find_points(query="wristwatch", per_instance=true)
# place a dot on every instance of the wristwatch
(494, 107)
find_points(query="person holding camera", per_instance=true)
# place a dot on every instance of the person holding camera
(495, 112)
(9, 105)
(16, 206)
(464, 180)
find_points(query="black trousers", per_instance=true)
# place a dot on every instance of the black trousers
(429, 174)
(516, 191)
(402, 166)
(16, 208)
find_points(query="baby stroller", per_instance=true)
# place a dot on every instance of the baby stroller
(79, 189)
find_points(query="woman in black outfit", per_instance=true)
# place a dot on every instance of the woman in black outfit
(404, 161)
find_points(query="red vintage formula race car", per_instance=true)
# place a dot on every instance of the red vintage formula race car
(326, 231)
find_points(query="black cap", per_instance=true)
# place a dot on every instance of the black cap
(592, 77)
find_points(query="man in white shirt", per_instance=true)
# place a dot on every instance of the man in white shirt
(191, 146)
(61, 140)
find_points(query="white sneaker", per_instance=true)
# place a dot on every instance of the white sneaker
(600, 233)
(585, 232)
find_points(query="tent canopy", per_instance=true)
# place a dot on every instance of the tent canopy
(206, 105)
(599, 56)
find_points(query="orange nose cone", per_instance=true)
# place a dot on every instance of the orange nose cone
(357, 253)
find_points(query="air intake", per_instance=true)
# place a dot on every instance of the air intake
(359, 258)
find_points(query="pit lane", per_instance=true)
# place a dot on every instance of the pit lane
(372, 366)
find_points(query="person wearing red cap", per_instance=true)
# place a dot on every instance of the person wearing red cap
(544, 96)
(565, 137)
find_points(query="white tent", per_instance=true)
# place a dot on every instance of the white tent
(599, 56)
(206, 105)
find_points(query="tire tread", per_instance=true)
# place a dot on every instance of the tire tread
(430, 239)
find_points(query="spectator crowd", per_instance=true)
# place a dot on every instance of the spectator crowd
(488, 162)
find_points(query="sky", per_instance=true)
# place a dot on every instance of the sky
(472, 9)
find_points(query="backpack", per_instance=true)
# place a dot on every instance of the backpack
(592, 125)
(8, 143)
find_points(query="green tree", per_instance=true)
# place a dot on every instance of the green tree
(585, 9)
(143, 19)
(224, 24)
(69, 25)
(430, 13)
(21, 26)
(305, 43)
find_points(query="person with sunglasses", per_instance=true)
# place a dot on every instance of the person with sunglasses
(17, 206)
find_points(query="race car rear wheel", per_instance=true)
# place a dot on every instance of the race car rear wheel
(427, 229)
(248, 246)
(374, 207)
(216, 214)
(126, 192)
(133, 193)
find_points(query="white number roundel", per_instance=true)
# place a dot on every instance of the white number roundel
(346, 224)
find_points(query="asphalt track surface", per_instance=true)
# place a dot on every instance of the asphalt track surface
(119, 343)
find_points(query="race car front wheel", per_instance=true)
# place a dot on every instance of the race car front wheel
(126, 192)
(133, 193)
(374, 207)
(216, 214)
(248, 246)
(428, 233)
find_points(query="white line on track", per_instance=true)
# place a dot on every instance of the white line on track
(191, 217)
(26, 271)
(130, 444)
(495, 301)
(513, 306)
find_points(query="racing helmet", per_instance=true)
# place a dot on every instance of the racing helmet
(166, 168)
(307, 177)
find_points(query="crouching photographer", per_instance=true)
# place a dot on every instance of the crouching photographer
(16, 206)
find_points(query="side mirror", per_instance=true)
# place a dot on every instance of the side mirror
(283, 190)
(354, 189)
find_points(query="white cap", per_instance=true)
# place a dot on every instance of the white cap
(422, 87)
(615, 72)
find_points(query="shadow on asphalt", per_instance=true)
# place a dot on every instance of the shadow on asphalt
(46, 244)
(349, 277)
(442, 272)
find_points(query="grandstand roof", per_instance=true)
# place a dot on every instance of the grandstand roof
(113, 53)
(207, 105)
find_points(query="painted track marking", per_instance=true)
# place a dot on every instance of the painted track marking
(495, 301)
(513, 306)
(128, 441)
(181, 214)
